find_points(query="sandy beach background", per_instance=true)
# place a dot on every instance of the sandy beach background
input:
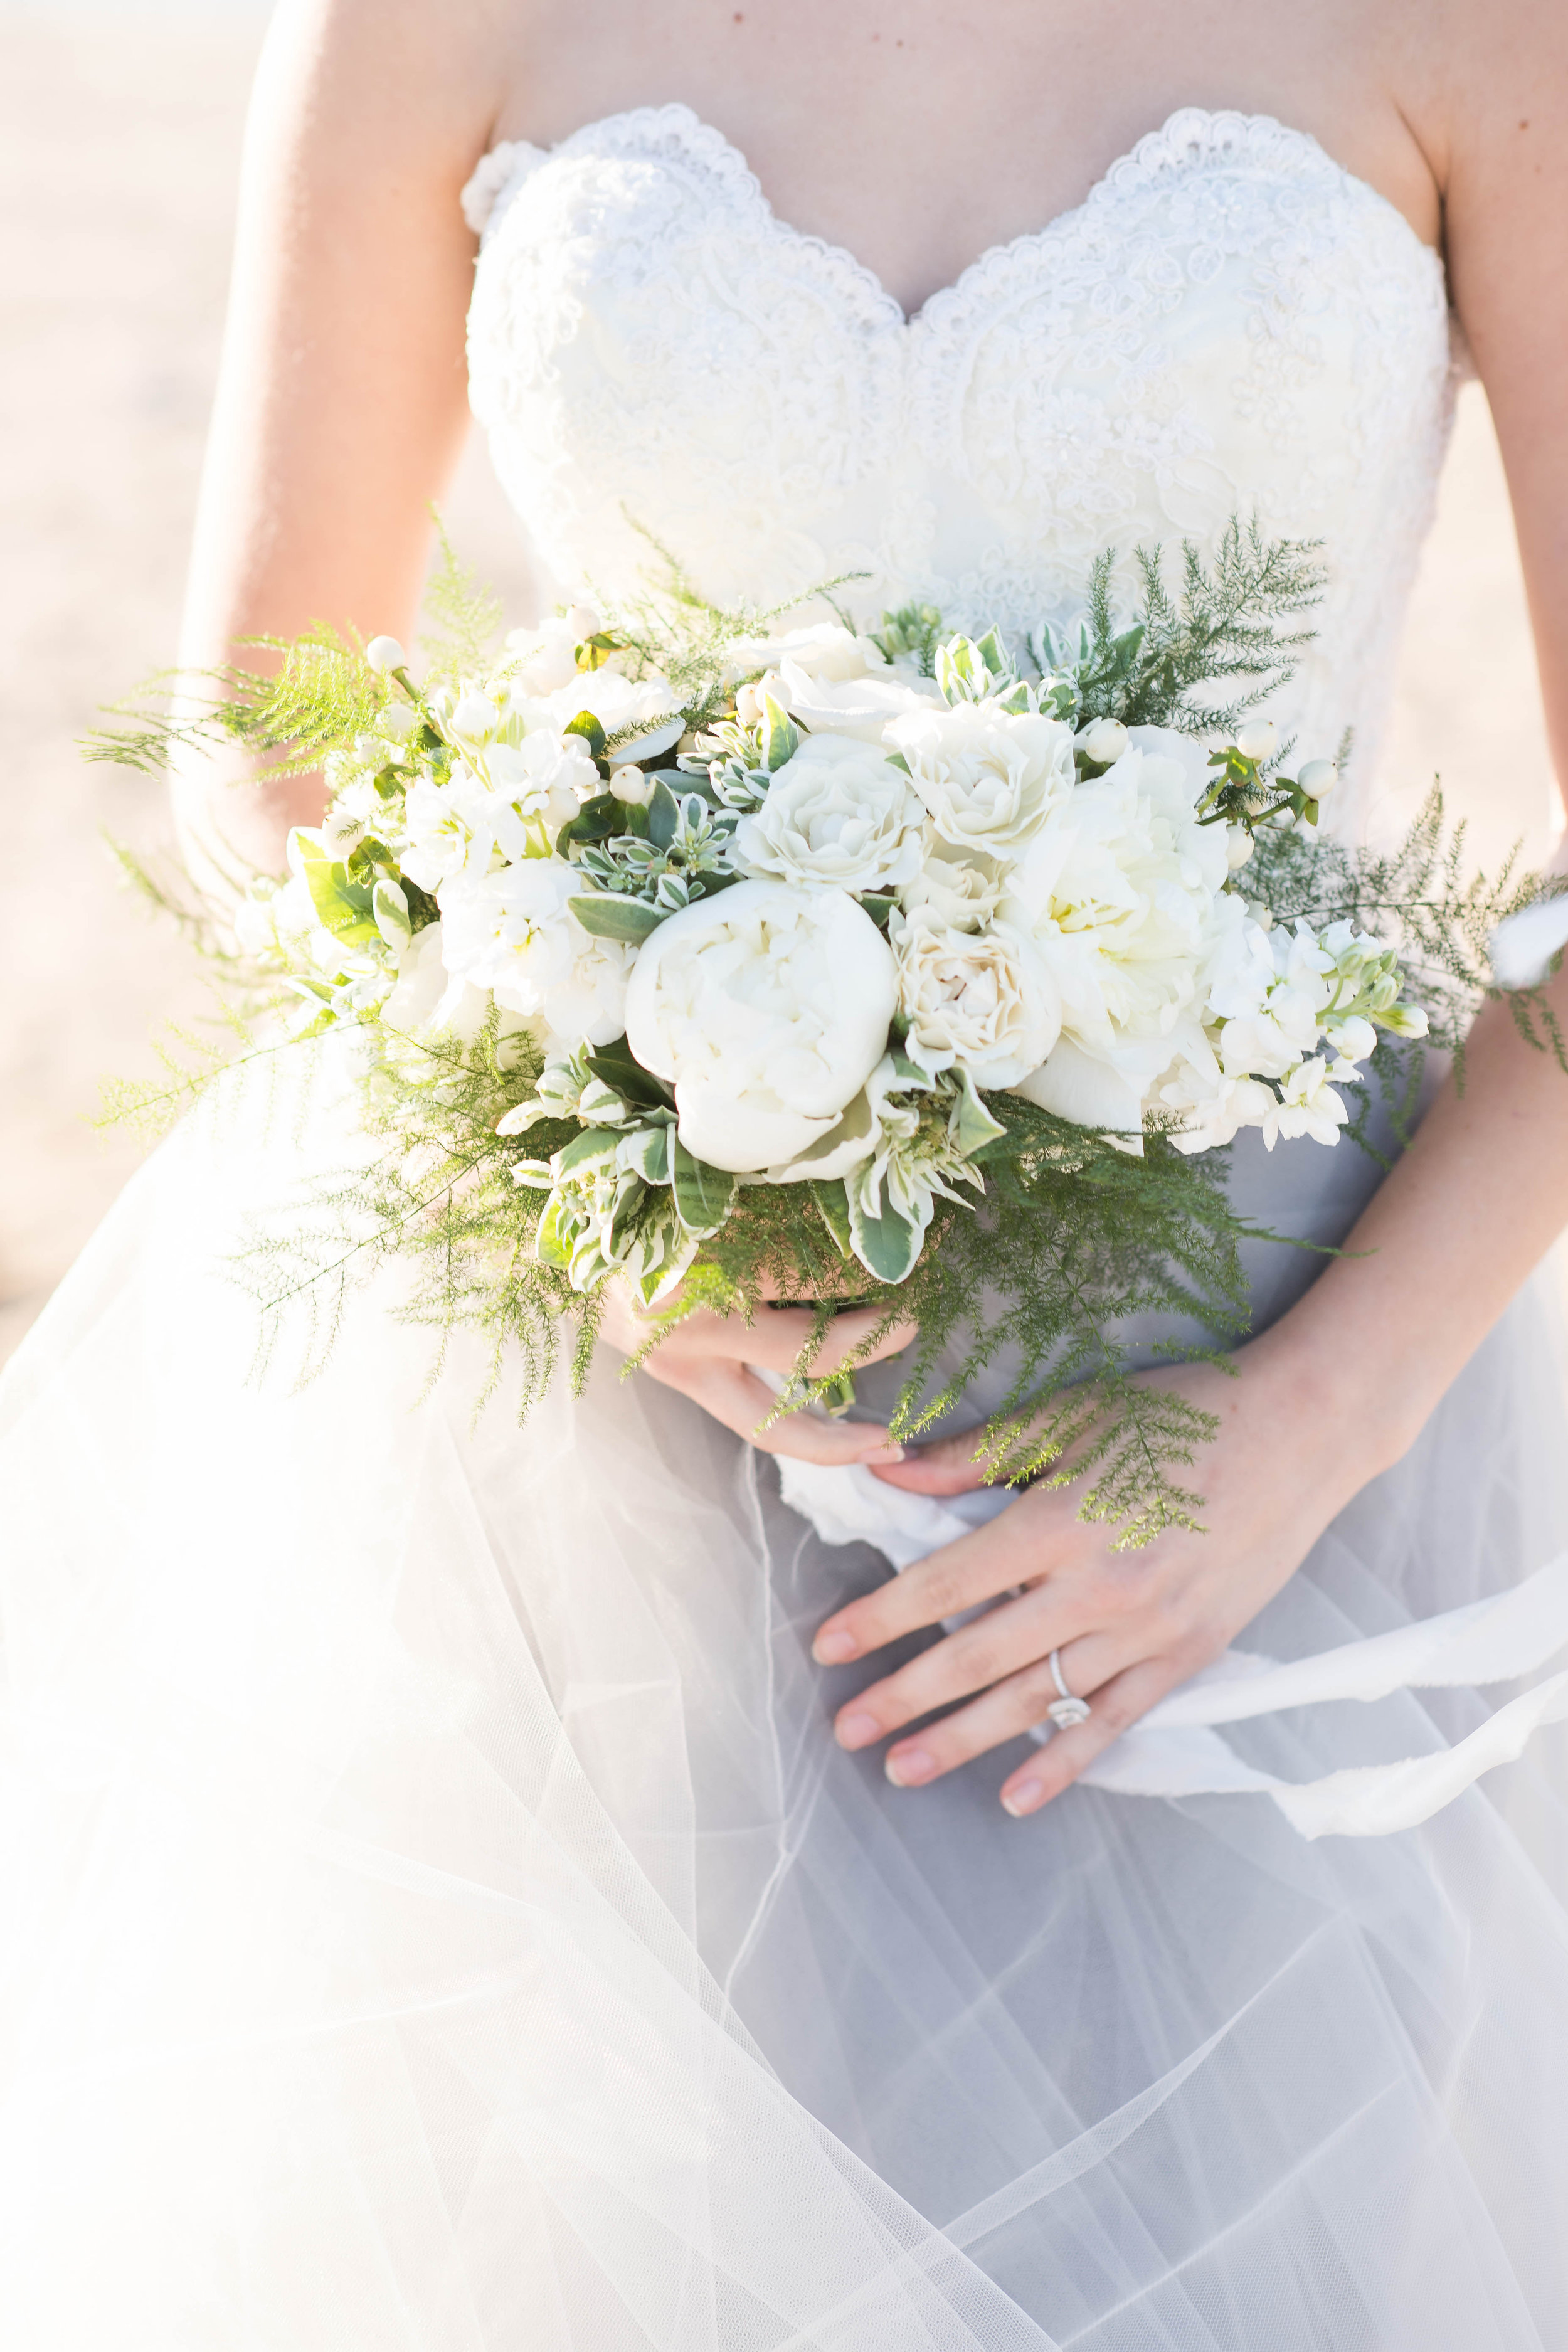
(120, 133)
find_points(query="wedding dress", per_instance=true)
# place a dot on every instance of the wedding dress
(437, 1914)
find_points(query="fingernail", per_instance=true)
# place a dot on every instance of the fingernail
(1021, 1798)
(832, 1649)
(856, 1730)
(884, 1454)
(908, 1767)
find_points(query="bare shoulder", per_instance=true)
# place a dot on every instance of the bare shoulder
(1487, 86)
(416, 84)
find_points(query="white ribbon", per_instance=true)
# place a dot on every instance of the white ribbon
(1175, 1752)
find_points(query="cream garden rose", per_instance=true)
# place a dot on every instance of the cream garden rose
(766, 1007)
(987, 776)
(981, 1002)
(838, 813)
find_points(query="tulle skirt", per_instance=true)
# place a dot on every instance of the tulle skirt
(436, 1917)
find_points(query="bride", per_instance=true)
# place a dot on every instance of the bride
(478, 1887)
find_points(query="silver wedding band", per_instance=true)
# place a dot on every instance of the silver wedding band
(1066, 1710)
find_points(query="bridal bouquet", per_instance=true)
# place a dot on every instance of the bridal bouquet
(734, 960)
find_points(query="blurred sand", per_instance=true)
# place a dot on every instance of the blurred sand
(119, 144)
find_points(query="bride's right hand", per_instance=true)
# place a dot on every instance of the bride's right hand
(708, 1357)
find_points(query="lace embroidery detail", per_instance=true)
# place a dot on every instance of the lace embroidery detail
(1229, 321)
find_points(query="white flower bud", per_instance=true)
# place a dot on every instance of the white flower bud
(397, 722)
(748, 705)
(1318, 778)
(632, 785)
(385, 654)
(584, 621)
(1259, 739)
(475, 717)
(1105, 741)
(1238, 846)
(341, 832)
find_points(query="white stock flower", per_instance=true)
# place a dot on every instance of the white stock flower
(428, 999)
(767, 1008)
(838, 813)
(982, 1000)
(531, 789)
(962, 892)
(512, 932)
(987, 776)
(1310, 1106)
(439, 837)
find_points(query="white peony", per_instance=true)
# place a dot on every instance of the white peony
(512, 932)
(987, 776)
(1119, 891)
(767, 1008)
(984, 1002)
(838, 813)
(962, 892)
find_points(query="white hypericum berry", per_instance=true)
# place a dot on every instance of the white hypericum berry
(584, 621)
(397, 722)
(1238, 846)
(475, 718)
(1318, 778)
(748, 704)
(1105, 741)
(632, 785)
(1259, 739)
(385, 654)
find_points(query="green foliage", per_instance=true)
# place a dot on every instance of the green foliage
(1161, 668)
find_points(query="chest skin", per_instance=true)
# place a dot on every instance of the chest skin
(917, 136)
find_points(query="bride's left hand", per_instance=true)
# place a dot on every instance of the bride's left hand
(1129, 1625)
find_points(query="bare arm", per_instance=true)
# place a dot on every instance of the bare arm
(341, 399)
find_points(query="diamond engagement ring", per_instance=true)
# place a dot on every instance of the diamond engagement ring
(1066, 1711)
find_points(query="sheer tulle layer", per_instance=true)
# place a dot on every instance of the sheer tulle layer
(438, 1918)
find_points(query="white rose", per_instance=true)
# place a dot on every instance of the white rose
(987, 776)
(767, 1008)
(838, 813)
(962, 892)
(822, 650)
(860, 704)
(513, 933)
(984, 1002)
(649, 704)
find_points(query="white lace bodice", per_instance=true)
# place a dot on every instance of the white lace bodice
(1229, 323)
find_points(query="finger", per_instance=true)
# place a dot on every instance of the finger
(947, 1466)
(1118, 1705)
(1012, 1550)
(733, 1396)
(1009, 1708)
(1003, 1642)
(777, 1339)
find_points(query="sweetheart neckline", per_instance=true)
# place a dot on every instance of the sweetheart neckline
(676, 112)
